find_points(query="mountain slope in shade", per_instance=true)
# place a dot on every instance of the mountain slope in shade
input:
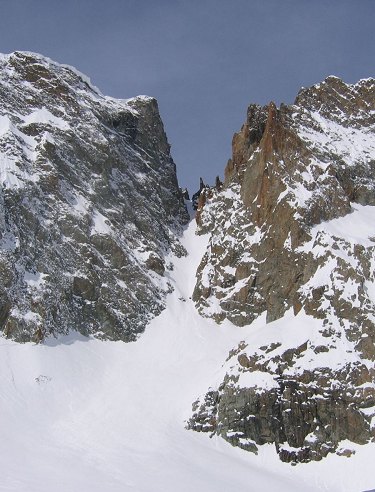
(292, 239)
(89, 205)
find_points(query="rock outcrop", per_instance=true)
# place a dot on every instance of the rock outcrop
(89, 205)
(291, 240)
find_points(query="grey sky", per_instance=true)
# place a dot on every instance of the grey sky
(204, 60)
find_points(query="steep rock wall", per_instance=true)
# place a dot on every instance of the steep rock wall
(282, 247)
(89, 205)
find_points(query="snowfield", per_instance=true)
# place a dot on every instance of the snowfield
(83, 415)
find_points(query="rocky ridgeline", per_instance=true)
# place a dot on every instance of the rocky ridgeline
(89, 205)
(281, 249)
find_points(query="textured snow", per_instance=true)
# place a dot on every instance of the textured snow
(79, 74)
(263, 380)
(5, 124)
(10, 174)
(44, 116)
(357, 227)
(291, 332)
(351, 144)
(34, 280)
(13, 157)
(100, 224)
(79, 414)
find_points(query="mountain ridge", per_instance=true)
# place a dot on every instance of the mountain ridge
(275, 334)
(89, 207)
(273, 251)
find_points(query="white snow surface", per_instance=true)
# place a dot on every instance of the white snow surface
(43, 115)
(80, 414)
(352, 144)
(356, 227)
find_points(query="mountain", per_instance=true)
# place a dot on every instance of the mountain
(260, 311)
(89, 205)
(292, 243)
(83, 414)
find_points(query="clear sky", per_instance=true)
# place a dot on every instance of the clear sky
(204, 60)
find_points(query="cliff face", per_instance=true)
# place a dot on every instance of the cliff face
(291, 239)
(89, 205)
(292, 168)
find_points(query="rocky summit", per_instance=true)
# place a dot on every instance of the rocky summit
(292, 250)
(89, 205)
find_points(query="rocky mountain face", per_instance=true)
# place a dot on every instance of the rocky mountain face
(292, 242)
(89, 205)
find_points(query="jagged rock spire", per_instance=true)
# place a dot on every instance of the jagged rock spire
(282, 247)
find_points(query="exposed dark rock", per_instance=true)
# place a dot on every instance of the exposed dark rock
(155, 264)
(293, 169)
(89, 205)
(195, 198)
(185, 193)
(310, 412)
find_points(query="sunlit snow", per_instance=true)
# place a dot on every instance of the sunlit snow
(81, 414)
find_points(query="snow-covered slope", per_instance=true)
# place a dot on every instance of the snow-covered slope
(81, 414)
